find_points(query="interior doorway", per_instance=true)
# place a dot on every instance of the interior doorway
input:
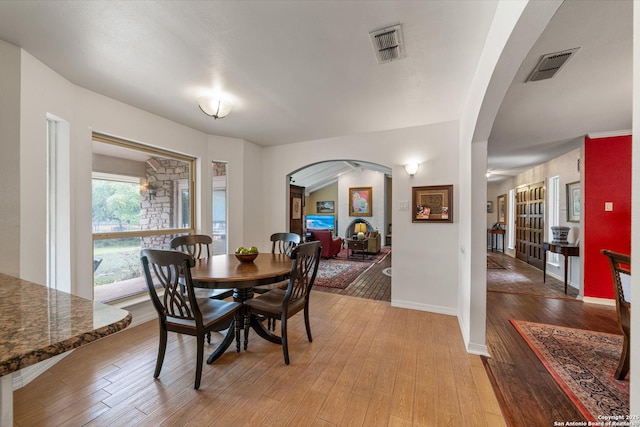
(529, 223)
(296, 204)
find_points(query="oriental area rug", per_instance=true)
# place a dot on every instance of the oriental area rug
(340, 271)
(582, 363)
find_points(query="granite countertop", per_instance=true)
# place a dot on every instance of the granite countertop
(37, 323)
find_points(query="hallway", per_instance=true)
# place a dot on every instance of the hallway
(526, 391)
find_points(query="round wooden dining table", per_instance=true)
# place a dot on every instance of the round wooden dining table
(225, 271)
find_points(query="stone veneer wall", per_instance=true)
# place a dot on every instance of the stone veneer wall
(219, 169)
(159, 212)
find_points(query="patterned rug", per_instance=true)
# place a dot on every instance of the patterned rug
(582, 363)
(340, 271)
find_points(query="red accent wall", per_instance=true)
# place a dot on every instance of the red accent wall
(607, 178)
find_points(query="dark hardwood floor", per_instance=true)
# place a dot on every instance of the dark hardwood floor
(371, 284)
(528, 394)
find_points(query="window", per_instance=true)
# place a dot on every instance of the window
(142, 197)
(219, 208)
(511, 209)
(553, 213)
(58, 238)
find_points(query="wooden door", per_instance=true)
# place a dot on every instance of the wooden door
(521, 217)
(530, 223)
(296, 209)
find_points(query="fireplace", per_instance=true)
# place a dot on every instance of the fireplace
(350, 230)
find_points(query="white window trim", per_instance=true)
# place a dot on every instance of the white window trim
(553, 214)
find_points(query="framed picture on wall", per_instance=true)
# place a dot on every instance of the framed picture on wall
(502, 209)
(432, 203)
(573, 201)
(296, 208)
(360, 200)
(325, 207)
(489, 206)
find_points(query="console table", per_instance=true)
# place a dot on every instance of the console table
(37, 323)
(496, 235)
(565, 250)
(360, 246)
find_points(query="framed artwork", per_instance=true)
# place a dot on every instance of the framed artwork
(433, 203)
(573, 201)
(360, 201)
(502, 209)
(325, 207)
(296, 208)
(489, 206)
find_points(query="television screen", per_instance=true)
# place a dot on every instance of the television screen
(321, 222)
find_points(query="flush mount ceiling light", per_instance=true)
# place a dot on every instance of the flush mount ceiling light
(215, 107)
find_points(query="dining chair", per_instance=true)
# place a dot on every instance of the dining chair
(281, 304)
(198, 246)
(281, 243)
(621, 274)
(182, 312)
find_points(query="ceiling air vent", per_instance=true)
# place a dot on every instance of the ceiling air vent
(387, 44)
(550, 64)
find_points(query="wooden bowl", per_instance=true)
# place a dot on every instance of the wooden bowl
(246, 257)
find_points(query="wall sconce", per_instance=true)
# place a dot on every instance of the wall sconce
(215, 107)
(151, 191)
(411, 168)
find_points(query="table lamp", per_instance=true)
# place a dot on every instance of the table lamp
(361, 228)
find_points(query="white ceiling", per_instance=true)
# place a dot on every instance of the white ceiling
(592, 93)
(306, 70)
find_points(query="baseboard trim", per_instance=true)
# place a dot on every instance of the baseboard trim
(25, 375)
(600, 301)
(141, 311)
(561, 278)
(479, 349)
(424, 307)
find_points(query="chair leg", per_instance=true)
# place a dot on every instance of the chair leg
(623, 365)
(247, 322)
(307, 324)
(162, 348)
(285, 345)
(236, 326)
(200, 358)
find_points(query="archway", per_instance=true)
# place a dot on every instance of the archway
(327, 183)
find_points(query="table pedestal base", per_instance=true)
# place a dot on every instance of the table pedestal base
(241, 295)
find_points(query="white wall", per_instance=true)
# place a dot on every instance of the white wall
(10, 155)
(423, 265)
(634, 376)
(44, 91)
(492, 77)
(365, 178)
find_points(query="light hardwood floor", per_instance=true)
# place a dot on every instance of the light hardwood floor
(369, 364)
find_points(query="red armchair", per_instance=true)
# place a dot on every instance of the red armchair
(330, 245)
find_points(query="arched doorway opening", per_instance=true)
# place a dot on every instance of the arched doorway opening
(327, 192)
(321, 196)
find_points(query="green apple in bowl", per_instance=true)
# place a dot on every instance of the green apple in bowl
(245, 255)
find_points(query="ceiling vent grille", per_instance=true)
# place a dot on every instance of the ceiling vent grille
(387, 44)
(550, 64)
